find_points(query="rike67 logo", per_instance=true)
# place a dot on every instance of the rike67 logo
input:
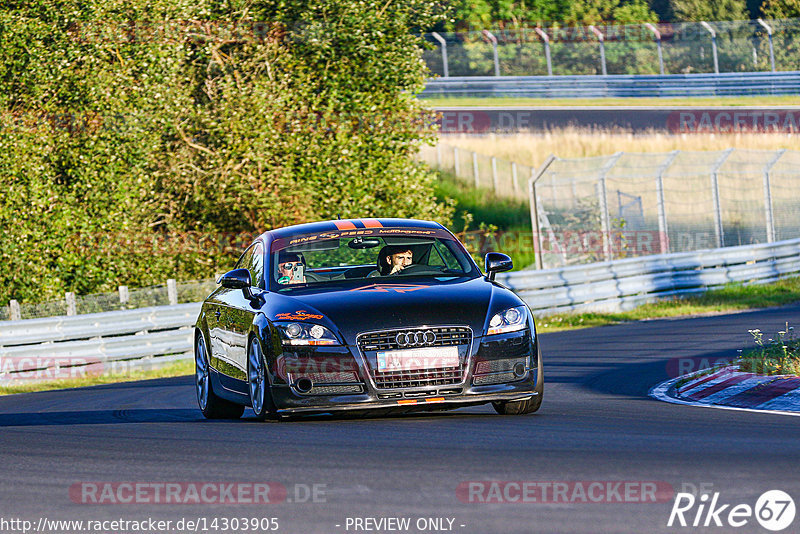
(774, 510)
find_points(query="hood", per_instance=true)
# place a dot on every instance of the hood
(381, 305)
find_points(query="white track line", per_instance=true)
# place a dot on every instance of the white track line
(659, 392)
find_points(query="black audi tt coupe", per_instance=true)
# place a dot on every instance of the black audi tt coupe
(364, 314)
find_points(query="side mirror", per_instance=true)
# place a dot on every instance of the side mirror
(497, 263)
(236, 279)
(240, 279)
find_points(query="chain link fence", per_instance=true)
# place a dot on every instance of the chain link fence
(635, 204)
(663, 48)
(124, 299)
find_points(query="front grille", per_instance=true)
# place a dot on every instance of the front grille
(498, 366)
(387, 340)
(499, 378)
(334, 390)
(442, 376)
(438, 376)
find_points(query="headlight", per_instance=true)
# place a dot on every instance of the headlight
(306, 334)
(510, 320)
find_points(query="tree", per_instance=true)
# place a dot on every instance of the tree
(781, 9)
(698, 10)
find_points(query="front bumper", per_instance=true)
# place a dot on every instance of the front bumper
(471, 390)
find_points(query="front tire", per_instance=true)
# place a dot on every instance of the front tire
(525, 406)
(213, 407)
(258, 382)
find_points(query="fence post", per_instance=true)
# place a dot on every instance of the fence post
(14, 310)
(657, 35)
(475, 174)
(439, 155)
(494, 173)
(72, 308)
(442, 42)
(124, 296)
(601, 40)
(455, 161)
(514, 182)
(534, 204)
(172, 291)
(771, 48)
(715, 198)
(768, 213)
(546, 39)
(663, 236)
(602, 193)
(708, 27)
(493, 39)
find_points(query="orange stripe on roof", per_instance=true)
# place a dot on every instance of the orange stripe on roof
(408, 401)
(371, 223)
(344, 225)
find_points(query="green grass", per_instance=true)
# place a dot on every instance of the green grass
(775, 356)
(653, 102)
(732, 297)
(180, 368)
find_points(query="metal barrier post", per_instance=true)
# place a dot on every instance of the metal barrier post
(443, 43)
(534, 204)
(602, 193)
(172, 291)
(124, 296)
(708, 27)
(475, 169)
(771, 48)
(715, 198)
(489, 35)
(601, 40)
(71, 305)
(768, 213)
(494, 173)
(455, 161)
(514, 182)
(14, 310)
(663, 236)
(546, 39)
(657, 35)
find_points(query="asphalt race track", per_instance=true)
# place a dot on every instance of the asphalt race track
(597, 423)
(637, 119)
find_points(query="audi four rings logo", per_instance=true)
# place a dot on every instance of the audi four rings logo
(415, 339)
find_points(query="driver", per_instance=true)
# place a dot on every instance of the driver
(397, 259)
(291, 268)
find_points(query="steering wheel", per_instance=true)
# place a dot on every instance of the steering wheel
(416, 268)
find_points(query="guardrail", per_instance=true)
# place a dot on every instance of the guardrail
(96, 343)
(593, 86)
(627, 283)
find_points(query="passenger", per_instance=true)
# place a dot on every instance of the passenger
(291, 268)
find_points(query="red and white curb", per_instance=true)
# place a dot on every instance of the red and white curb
(731, 389)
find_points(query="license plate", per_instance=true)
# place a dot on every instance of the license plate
(416, 359)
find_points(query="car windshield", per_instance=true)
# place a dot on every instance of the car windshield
(381, 254)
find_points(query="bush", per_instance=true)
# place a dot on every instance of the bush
(149, 139)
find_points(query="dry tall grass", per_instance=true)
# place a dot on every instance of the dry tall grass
(533, 149)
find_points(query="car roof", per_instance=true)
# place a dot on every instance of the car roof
(348, 224)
